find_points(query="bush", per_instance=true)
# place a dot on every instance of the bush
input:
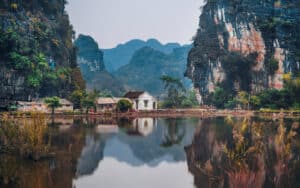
(219, 98)
(231, 104)
(124, 105)
(272, 66)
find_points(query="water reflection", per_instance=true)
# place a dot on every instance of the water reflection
(148, 152)
(56, 171)
(135, 155)
(245, 153)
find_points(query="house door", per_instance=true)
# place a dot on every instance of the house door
(154, 105)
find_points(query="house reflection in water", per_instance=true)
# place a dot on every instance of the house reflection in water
(64, 124)
(106, 129)
(142, 126)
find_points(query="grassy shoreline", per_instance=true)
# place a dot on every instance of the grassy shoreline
(193, 112)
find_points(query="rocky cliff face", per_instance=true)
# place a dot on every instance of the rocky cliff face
(245, 45)
(37, 56)
(90, 57)
(91, 63)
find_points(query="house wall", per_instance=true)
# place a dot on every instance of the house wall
(106, 107)
(141, 102)
(33, 107)
(65, 108)
(43, 108)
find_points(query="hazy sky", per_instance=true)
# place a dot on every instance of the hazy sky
(112, 22)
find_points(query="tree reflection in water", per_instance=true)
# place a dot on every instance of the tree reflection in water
(174, 134)
(245, 153)
(225, 152)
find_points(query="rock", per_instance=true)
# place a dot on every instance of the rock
(251, 33)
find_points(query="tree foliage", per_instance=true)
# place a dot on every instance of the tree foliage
(33, 35)
(177, 96)
(272, 66)
(124, 105)
(52, 103)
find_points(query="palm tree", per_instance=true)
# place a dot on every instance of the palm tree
(53, 102)
(90, 99)
(175, 91)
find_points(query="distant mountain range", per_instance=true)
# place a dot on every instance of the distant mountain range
(135, 65)
(121, 55)
(147, 65)
(90, 61)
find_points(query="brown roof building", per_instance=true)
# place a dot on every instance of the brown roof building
(133, 94)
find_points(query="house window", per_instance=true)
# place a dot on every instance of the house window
(146, 103)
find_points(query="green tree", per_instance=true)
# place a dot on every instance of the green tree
(53, 102)
(124, 105)
(255, 102)
(190, 100)
(90, 100)
(272, 66)
(243, 98)
(88, 103)
(231, 104)
(175, 91)
(219, 98)
(292, 85)
(76, 98)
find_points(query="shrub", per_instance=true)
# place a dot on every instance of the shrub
(14, 6)
(272, 66)
(124, 105)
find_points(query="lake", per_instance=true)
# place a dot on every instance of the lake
(150, 152)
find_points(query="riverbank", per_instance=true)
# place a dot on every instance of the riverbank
(163, 113)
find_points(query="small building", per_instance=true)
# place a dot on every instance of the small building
(142, 100)
(65, 106)
(41, 106)
(29, 106)
(106, 104)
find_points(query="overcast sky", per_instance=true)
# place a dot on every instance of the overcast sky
(111, 22)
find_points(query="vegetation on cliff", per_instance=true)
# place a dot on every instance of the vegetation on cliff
(37, 55)
(91, 63)
(286, 98)
(246, 46)
(176, 95)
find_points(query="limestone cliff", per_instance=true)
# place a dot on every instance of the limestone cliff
(245, 45)
(91, 63)
(37, 57)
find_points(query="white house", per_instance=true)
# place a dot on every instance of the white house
(142, 100)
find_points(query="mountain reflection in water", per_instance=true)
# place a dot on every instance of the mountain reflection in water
(148, 152)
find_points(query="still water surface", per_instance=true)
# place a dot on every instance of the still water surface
(148, 152)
